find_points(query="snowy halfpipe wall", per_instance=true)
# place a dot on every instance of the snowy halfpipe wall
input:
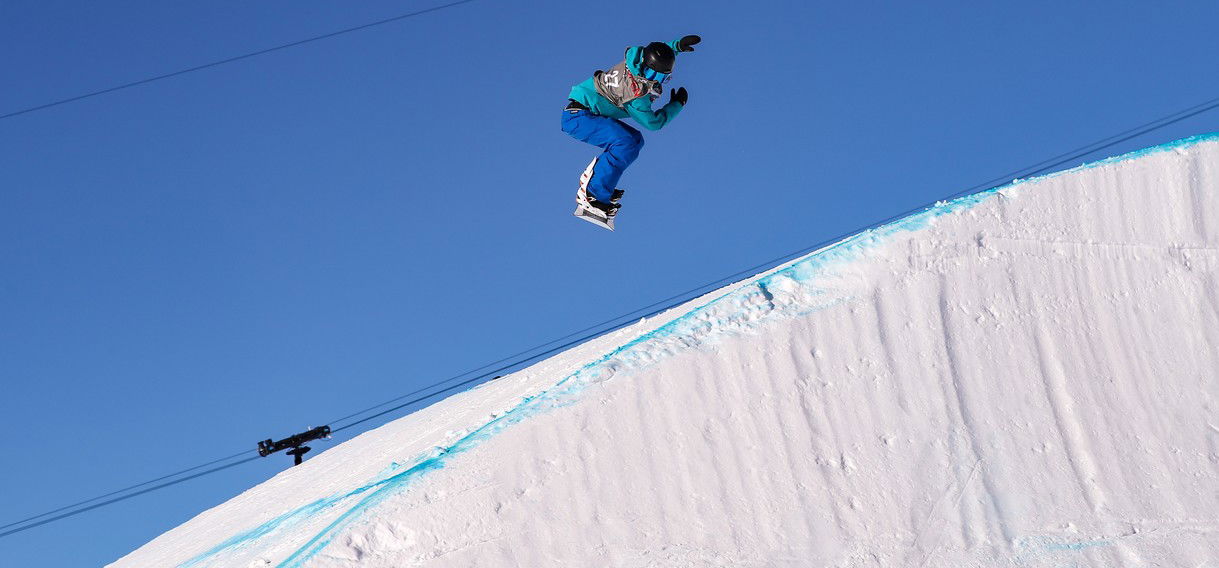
(1022, 377)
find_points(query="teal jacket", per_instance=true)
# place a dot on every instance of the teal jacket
(639, 109)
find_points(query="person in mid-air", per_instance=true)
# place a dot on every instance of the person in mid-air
(595, 107)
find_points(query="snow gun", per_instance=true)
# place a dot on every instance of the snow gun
(295, 441)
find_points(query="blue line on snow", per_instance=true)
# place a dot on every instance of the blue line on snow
(696, 327)
(685, 326)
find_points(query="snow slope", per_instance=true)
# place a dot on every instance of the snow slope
(1022, 377)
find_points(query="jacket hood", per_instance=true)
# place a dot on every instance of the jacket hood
(634, 60)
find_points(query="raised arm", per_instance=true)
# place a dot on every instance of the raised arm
(686, 43)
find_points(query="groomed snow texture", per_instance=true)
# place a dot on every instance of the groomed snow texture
(1025, 377)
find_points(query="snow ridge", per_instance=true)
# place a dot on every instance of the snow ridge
(787, 291)
(813, 283)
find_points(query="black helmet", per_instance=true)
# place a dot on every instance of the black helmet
(659, 57)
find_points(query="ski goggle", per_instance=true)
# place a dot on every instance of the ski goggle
(654, 75)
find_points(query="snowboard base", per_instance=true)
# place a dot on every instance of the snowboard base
(594, 217)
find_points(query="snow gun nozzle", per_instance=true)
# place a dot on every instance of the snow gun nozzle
(294, 443)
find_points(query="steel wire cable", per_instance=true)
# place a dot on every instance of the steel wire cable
(123, 490)
(232, 59)
(123, 498)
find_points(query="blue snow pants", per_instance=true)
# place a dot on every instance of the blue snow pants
(621, 145)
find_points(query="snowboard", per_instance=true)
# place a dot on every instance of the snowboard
(594, 216)
(588, 212)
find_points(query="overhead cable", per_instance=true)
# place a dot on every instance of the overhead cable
(232, 59)
(123, 490)
(121, 498)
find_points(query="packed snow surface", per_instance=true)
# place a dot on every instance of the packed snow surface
(1021, 377)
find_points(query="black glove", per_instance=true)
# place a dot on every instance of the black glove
(687, 43)
(679, 95)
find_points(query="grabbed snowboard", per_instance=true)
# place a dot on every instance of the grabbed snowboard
(596, 212)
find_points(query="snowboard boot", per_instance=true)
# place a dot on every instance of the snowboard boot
(600, 208)
(599, 213)
(606, 209)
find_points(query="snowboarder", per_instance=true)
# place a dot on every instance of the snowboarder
(595, 107)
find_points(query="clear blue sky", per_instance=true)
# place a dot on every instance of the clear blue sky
(190, 266)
